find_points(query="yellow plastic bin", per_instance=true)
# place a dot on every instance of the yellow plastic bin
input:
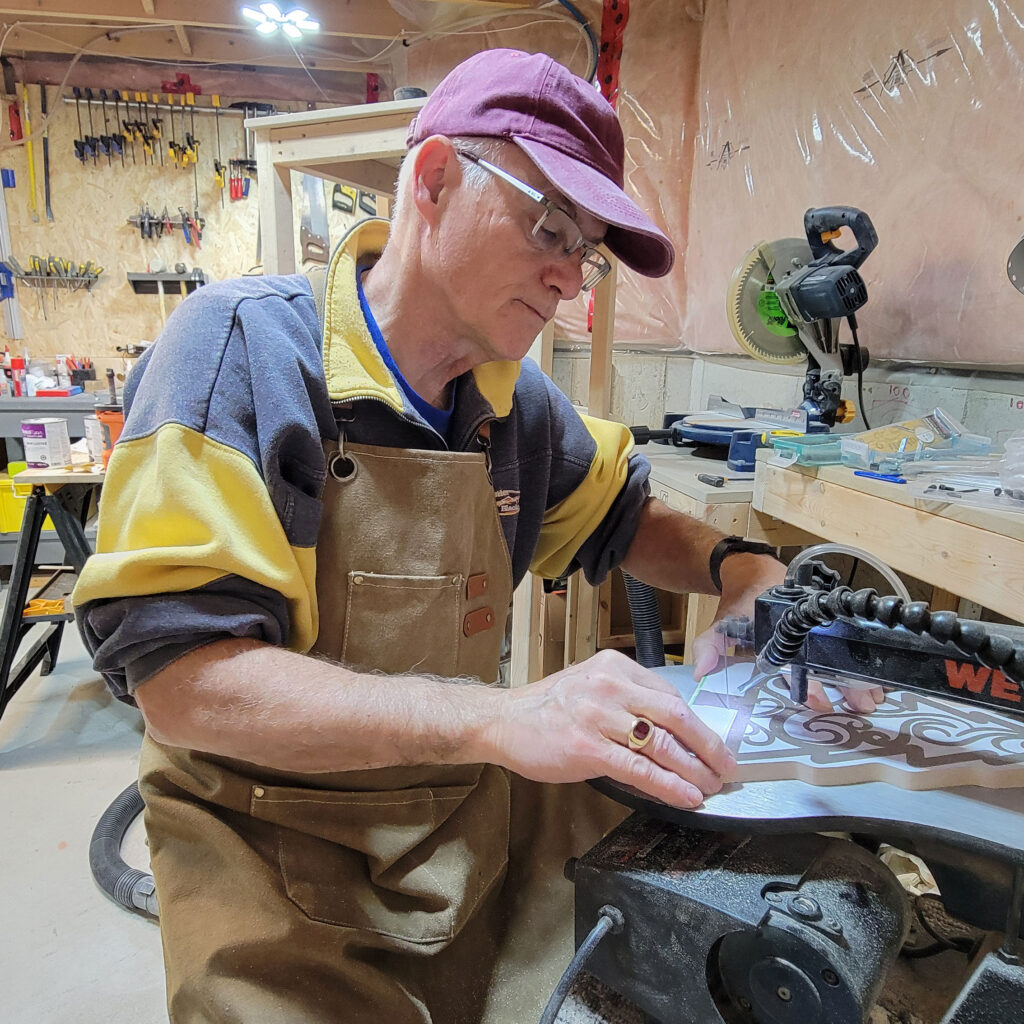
(12, 499)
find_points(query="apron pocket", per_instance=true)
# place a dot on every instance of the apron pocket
(411, 864)
(402, 623)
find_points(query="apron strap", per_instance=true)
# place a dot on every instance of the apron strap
(317, 277)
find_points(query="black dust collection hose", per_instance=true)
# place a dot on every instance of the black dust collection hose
(643, 610)
(132, 889)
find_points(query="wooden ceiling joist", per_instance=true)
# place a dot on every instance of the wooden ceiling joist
(369, 19)
(215, 31)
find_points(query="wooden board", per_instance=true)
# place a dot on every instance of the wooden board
(913, 741)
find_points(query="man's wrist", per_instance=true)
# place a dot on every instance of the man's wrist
(731, 547)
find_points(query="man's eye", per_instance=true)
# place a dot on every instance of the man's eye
(549, 238)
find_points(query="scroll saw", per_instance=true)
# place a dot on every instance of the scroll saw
(742, 912)
(785, 303)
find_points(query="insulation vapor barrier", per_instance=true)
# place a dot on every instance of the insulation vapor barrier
(740, 116)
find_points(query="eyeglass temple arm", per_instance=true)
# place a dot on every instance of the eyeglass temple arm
(515, 182)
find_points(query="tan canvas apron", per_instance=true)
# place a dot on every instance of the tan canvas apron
(393, 895)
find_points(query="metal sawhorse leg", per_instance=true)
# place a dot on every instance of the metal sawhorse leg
(67, 507)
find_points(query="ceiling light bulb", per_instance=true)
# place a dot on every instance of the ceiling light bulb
(266, 27)
(298, 14)
(308, 25)
(272, 11)
(291, 31)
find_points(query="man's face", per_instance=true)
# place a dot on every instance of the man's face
(503, 285)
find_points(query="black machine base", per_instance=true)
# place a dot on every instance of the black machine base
(723, 927)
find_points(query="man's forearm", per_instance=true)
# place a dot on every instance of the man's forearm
(269, 706)
(671, 551)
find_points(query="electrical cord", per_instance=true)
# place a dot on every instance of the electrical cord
(854, 566)
(588, 32)
(610, 920)
(852, 321)
(821, 608)
(967, 944)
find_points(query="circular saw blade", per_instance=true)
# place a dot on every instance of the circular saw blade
(757, 321)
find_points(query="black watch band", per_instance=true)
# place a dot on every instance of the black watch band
(733, 546)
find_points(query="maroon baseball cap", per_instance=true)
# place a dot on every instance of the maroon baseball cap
(564, 125)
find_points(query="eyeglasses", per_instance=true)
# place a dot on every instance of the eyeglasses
(554, 231)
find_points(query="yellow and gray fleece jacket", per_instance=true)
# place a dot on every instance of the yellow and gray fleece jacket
(211, 504)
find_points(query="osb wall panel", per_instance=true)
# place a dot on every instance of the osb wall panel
(91, 205)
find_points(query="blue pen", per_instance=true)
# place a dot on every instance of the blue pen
(892, 478)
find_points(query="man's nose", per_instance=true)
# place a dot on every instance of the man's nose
(565, 275)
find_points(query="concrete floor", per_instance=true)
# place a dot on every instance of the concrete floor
(67, 953)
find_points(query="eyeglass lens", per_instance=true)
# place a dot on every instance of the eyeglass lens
(556, 231)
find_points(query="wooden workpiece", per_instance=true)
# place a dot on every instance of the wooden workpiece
(913, 741)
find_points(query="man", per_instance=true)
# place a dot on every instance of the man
(308, 546)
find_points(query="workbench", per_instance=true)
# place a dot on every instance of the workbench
(66, 496)
(973, 553)
(74, 409)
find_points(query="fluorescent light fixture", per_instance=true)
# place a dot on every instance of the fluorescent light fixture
(269, 18)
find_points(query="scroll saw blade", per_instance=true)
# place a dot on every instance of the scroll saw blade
(757, 321)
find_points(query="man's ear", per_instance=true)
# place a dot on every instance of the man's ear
(435, 171)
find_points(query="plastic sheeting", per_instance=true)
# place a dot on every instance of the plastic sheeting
(740, 115)
(908, 111)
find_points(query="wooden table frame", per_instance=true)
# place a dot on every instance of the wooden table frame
(967, 552)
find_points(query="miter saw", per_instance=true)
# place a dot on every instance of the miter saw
(787, 299)
(785, 303)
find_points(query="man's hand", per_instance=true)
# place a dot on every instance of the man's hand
(574, 724)
(744, 578)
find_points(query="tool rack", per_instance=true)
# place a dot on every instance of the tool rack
(72, 283)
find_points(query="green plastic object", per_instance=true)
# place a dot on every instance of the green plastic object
(807, 449)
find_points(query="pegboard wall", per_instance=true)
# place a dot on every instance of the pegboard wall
(92, 203)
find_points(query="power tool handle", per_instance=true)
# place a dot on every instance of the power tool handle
(822, 222)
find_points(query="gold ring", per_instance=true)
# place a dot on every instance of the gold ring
(640, 733)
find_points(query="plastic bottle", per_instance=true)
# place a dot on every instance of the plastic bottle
(18, 376)
(1011, 471)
